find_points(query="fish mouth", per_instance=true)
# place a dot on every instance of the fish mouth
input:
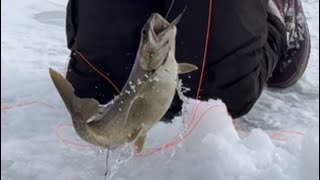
(158, 24)
(156, 28)
(157, 39)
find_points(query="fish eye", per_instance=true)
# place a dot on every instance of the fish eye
(144, 32)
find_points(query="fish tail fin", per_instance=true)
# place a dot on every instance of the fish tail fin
(85, 107)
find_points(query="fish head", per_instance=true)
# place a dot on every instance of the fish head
(157, 40)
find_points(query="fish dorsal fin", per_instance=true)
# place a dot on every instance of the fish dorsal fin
(86, 107)
(184, 68)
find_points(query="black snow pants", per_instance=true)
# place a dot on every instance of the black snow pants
(235, 44)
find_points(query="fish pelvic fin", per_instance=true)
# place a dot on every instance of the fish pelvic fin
(139, 143)
(135, 133)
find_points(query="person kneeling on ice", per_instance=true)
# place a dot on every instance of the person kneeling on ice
(239, 47)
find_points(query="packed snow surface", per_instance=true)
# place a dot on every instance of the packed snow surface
(278, 139)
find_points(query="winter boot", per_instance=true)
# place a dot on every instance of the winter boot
(293, 64)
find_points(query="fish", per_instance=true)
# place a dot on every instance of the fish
(144, 99)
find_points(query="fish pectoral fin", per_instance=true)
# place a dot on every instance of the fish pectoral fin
(139, 143)
(135, 102)
(134, 134)
(184, 68)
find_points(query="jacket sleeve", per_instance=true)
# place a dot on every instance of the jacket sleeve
(70, 24)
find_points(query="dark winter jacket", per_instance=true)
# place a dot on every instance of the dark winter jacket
(227, 42)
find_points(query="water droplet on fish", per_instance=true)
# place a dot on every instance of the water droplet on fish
(128, 92)
(133, 88)
(189, 77)
(156, 79)
(139, 81)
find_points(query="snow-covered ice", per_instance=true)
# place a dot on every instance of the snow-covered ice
(278, 139)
